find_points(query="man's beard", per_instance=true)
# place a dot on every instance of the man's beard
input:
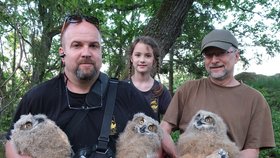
(219, 77)
(86, 76)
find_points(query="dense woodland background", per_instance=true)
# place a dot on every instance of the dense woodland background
(29, 41)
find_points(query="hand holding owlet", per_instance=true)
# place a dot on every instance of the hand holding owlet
(140, 139)
(39, 137)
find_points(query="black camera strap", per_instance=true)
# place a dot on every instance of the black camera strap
(103, 139)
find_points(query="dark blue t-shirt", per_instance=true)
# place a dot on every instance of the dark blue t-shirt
(158, 97)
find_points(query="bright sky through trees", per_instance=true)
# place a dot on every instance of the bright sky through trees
(269, 65)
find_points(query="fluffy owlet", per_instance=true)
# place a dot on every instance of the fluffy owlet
(39, 137)
(206, 137)
(140, 139)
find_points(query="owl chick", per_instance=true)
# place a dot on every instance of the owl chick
(39, 137)
(140, 139)
(206, 137)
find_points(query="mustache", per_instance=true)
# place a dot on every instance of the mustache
(86, 61)
(215, 65)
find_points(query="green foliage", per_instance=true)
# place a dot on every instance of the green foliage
(268, 86)
(175, 135)
(276, 126)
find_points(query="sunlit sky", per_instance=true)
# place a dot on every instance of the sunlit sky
(270, 66)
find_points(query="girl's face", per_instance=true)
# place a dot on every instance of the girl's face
(142, 58)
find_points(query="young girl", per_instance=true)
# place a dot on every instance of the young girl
(144, 64)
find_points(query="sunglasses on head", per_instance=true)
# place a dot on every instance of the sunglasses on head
(79, 18)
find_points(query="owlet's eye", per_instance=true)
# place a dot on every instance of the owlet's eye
(208, 119)
(141, 121)
(26, 126)
(152, 128)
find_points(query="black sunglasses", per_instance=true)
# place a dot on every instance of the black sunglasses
(222, 53)
(93, 101)
(79, 18)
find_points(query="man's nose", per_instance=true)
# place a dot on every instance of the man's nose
(215, 58)
(86, 52)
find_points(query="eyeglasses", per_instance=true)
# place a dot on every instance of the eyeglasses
(93, 100)
(219, 54)
(77, 19)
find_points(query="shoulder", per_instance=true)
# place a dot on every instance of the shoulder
(126, 90)
(124, 85)
(251, 92)
(46, 88)
(163, 91)
(249, 89)
(193, 83)
(42, 98)
(131, 100)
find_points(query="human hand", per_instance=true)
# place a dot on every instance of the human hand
(168, 146)
(11, 152)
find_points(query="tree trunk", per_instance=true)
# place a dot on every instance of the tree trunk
(41, 48)
(171, 72)
(167, 25)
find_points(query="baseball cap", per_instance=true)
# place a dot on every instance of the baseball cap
(219, 38)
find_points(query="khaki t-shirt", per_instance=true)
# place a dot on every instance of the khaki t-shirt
(243, 109)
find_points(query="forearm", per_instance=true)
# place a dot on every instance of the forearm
(249, 153)
(167, 143)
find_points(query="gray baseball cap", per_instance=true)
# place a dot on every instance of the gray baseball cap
(219, 38)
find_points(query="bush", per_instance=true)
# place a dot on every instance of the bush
(274, 153)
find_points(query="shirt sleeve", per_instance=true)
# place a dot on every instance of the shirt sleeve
(260, 134)
(172, 114)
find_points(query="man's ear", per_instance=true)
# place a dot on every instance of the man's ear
(62, 55)
(237, 55)
(61, 52)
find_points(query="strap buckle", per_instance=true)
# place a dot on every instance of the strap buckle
(102, 144)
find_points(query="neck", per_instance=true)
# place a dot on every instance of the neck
(142, 82)
(77, 85)
(138, 77)
(227, 82)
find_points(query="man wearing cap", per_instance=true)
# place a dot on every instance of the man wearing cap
(243, 109)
